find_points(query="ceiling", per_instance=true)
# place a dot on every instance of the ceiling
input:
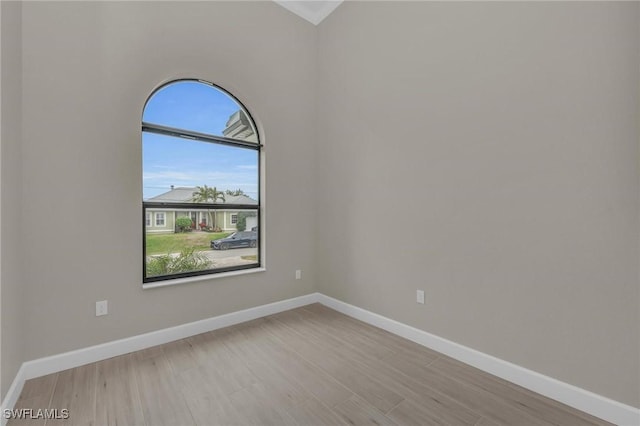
(313, 11)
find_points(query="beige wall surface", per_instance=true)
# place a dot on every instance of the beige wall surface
(11, 333)
(486, 153)
(87, 70)
(504, 136)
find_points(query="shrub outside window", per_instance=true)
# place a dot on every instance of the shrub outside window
(201, 180)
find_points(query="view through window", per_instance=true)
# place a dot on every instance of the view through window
(201, 183)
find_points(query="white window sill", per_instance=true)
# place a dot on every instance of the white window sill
(202, 278)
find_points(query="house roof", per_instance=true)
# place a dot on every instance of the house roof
(185, 195)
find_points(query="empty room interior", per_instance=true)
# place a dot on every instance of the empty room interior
(320, 213)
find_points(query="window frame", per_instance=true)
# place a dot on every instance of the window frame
(179, 278)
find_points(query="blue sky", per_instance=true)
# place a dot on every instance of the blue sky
(182, 162)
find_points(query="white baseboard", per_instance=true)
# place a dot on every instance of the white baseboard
(12, 394)
(573, 396)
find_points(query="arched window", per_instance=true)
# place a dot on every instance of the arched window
(201, 183)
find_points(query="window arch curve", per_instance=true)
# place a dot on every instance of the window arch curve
(201, 182)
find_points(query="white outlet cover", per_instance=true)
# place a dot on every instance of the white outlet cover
(102, 308)
(420, 296)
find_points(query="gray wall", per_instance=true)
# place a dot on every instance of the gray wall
(11, 331)
(488, 154)
(87, 70)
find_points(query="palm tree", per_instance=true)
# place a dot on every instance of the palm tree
(207, 194)
(236, 192)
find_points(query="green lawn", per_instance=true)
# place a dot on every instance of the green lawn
(174, 243)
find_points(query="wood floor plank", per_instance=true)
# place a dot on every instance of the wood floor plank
(249, 406)
(210, 349)
(148, 353)
(360, 341)
(390, 370)
(382, 336)
(407, 350)
(314, 413)
(341, 368)
(476, 400)
(117, 398)
(162, 403)
(207, 410)
(451, 395)
(181, 355)
(408, 358)
(306, 323)
(352, 344)
(210, 380)
(357, 411)
(486, 422)
(31, 407)
(400, 384)
(39, 386)
(535, 404)
(75, 390)
(206, 392)
(262, 365)
(412, 365)
(431, 411)
(441, 406)
(290, 364)
(36, 395)
(259, 405)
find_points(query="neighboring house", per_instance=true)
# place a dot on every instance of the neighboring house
(239, 127)
(162, 220)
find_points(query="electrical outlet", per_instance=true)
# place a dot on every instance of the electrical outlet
(420, 296)
(102, 308)
(298, 274)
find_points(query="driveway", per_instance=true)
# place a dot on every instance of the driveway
(224, 258)
(223, 254)
(231, 257)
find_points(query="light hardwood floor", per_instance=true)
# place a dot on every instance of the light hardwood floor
(307, 366)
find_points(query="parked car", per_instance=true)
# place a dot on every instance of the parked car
(236, 240)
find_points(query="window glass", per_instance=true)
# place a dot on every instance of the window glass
(213, 111)
(159, 219)
(184, 163)
(201, 167)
